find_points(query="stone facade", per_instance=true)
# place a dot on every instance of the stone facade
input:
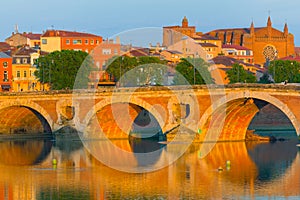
(267, 43)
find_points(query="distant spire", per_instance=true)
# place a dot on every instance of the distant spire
(286, 30)
(269, 24)
(252, 28)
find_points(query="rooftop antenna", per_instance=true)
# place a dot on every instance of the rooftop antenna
(16, 28)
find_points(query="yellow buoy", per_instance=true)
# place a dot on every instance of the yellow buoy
(54, 161)
(228, 163)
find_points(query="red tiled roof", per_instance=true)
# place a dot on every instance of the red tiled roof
(229, 61)
(208, 45)
(297, 50)
(26, 51)
(173, 51)
(60, 33)
(207, 37)
(243, 30)
(4, 46)
(33, 36)
(232, 46)
(138, 52)
(292, 58)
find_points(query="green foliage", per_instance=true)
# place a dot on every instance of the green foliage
(190, 71)
(282, 70)
(133, 71)
(238, 74)
(60, 69)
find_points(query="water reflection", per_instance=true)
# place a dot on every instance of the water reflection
(24, 152)
(273, 159)
(256, 170)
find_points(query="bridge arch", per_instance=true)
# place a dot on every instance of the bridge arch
(32, 106)
(232, 102)
(158, 112)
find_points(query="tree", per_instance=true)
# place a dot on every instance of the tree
(285, 70)
(60, 68)
(191, 71)
(238, 74)
(133, 71)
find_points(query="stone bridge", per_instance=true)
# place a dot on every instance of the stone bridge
(214, 112)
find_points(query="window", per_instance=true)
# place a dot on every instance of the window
(116, 51)
(97, 42)
(24, 60)
(67, 41)
(5, 76)
(92, 41)
(86, 41)
(106, 51)
(18, 74)
(77, 41)
(18, 60)
(5, 64)
(44, 41)
(25, 74)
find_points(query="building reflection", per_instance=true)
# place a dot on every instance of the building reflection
(261, 169)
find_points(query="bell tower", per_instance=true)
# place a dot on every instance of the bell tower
(185, 22)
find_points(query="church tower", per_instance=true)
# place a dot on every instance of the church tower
(269, 27)
(285, 30)
(185, 22)
(252, 31)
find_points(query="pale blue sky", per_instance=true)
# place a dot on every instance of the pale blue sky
(107, 18)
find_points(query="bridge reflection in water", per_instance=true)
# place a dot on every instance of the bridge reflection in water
(257, 169)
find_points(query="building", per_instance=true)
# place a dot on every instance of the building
(238, 52)
(5, 72)
(101, 55)
(174, 34)
(221, 64)
(57, 40)
(171, 56)
(23, 69)
(21, 39)
(267, 43)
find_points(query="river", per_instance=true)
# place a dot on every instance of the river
(232, 170)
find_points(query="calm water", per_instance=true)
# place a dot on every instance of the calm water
(257, 170)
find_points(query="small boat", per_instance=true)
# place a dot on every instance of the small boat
(298, 145)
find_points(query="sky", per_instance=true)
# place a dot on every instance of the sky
(107, 18)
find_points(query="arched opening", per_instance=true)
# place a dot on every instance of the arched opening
(128, 126)
(270, 121)
(22, 120)
(244, 114)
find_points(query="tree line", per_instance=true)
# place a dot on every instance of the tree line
(69, 69)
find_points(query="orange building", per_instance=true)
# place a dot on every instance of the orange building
(101, 55)
(267, 43)
(57, 40)
(5, 72)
